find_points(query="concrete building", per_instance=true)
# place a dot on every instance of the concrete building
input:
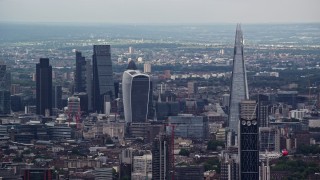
(143, 166)
(147, 67)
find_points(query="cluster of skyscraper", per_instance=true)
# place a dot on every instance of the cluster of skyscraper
(94, 84)
(242, 135)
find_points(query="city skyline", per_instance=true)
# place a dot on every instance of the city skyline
(156, 11)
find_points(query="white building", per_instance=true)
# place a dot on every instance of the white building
(297, 114)
(142, 165)
(147, 68)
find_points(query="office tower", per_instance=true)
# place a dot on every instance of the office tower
(83, 101)
(73, 106)
(80, 74)
(239, 87)
(132, 65)
(269, 139)
(288, 97)
(57, 97)
(5, 77)
(16, 103)
(5, 104)
(225, 100)
(189, 172)
(192, 88)
(249, 141)
(147, 67)
(102, 76)
(5, 84)
(263, 110)
(162, 168)
(135, 91)
(142, 167)
(44, 87)
(131, 50)
(89, 84)
(15, 89)
(189, 126)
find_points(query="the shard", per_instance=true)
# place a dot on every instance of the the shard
(239, 87)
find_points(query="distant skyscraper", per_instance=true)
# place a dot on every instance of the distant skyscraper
(161, 158)
(192, 88)
(239, 87)
(103, 85)
(57, 97)
(44, 87)
(263, 110)
(89, 84)
(249, 141)
(15, 89)
(147, 67)
(80, 74)
(136, 91)
(5, 85)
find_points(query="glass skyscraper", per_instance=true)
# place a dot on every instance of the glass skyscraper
(103, 85)
(239, 88)
(5, 83)
(80, 76)
(136, 94)
(44, 87)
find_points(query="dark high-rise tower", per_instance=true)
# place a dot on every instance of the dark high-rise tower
(57, 97)
(161, 158)
(44, 87)
(239, 87)
(103, 85)
(249, 141)
(5, 84)
(263, 110)
(80, 76)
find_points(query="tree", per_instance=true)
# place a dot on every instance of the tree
(184, 152)
(213, 145)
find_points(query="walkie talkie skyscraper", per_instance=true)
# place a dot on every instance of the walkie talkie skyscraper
(239, 88)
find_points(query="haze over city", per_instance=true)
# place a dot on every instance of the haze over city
(159, 89)
(160, 11)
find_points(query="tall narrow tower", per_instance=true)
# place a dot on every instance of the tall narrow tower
(44, 87)
(249, 141)
(5, 83)
(239, 88)
(103, 85)
(80, 77)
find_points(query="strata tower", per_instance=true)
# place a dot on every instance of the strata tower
(239, 88)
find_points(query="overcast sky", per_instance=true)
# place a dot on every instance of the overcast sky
(161, 11)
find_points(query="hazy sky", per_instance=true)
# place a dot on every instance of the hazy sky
(161, 11)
